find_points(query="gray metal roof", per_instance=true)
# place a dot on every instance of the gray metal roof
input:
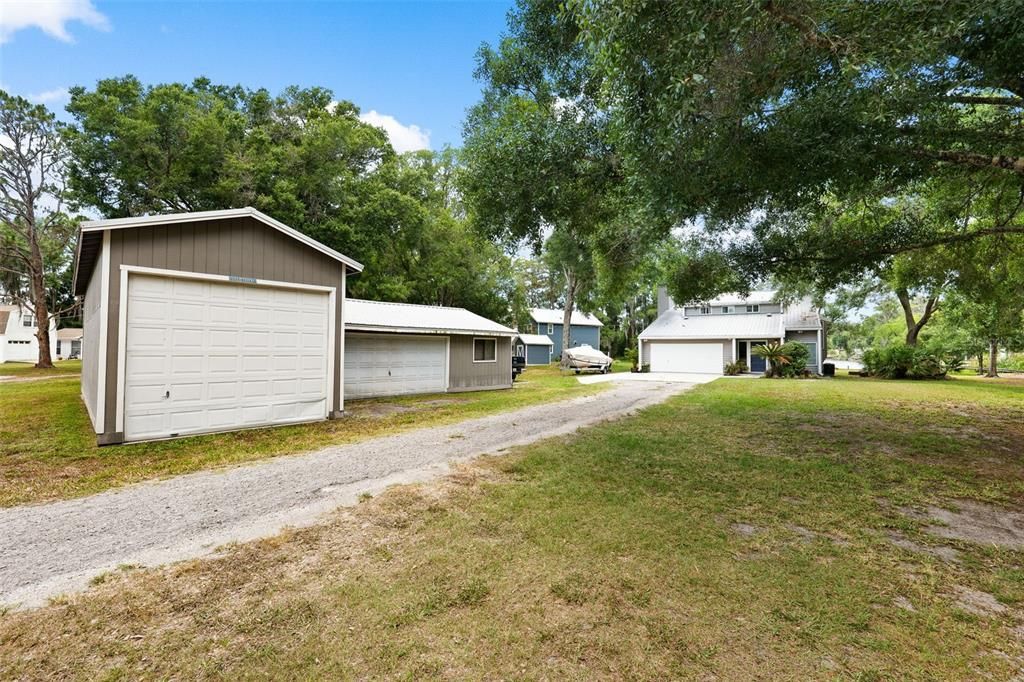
(675, 324)
(363, 315)
(536, 340)
(549, 316)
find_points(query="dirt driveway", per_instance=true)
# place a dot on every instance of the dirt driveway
(53, 548)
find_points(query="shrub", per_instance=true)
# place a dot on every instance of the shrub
(905, 362)
(734, 368)
(798, 357)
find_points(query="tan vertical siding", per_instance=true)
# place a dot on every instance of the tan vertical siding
(466, 375)
(242, 247)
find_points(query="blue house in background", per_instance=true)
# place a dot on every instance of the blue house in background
(584, 328)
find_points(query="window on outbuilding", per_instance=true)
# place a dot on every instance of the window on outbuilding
(485, 350)
(705, 310)
(726, 309)
(755, 308)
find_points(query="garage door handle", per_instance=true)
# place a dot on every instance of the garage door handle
(167, 394)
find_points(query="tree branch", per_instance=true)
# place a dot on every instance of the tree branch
(994, 100)
(1014, 164)
(807, 29)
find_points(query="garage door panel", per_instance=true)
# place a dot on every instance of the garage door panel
(399, 365)
(698, 358)
(214, 354)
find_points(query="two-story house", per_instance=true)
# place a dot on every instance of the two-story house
(584, 328)
(703, 337)
(18, 341)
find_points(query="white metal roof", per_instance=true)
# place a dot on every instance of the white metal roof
(69, 333)
(246, 212)
(363, 315)
(675, 324)
(549, 316)
(536, 340)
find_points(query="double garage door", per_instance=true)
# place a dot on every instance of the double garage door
(381, 365)
(212, 356)
(695, 358)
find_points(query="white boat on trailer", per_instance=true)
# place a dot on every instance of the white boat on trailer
(586, 358)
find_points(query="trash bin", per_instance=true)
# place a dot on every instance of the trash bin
(828, 369)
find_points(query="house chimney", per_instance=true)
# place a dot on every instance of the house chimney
(665, 302)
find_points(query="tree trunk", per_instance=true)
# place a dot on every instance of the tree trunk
(570, 303)
(37, 287)
(993, 358)
(981, 363)
(914, 326)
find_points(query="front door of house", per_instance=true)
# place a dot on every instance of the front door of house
(757, 363)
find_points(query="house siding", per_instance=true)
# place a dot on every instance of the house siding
(578, 334)
(538, 355)
(766, 308)
(466, 375)
(91, 322)
(726, 348)
(808, 336)
(242, 247)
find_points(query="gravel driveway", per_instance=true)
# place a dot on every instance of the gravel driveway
(53, 548)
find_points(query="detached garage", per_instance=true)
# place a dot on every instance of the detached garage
(400, 349)
(208, 321)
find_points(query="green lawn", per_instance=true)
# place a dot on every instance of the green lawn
(48, 450)
(743, 530)
(28, 369)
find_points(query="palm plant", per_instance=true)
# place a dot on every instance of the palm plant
(776, 356)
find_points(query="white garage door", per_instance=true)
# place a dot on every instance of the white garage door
(697, 358)
(210, 356)
(378, 365)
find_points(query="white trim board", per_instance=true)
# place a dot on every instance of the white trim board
(101, 356)
(247, 212)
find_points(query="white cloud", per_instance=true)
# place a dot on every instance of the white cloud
(50, 16)
(49, 96)
(404, 138)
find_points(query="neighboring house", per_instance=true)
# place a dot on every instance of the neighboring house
(704, 337)
(223, 320)
(584, 328)
(536, 348)
(400, 348)
(18, 342)
(69, 343)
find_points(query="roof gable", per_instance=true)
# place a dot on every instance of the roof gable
(90, 235)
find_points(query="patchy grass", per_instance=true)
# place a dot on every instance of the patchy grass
(742, 530)
(48, 450)
(28, 369)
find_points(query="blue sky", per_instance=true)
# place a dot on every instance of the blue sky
(407, 61)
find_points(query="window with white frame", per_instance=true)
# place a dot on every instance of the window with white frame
(755, 308)
(726, 309)
(28, 320)
(705, 310)
(551, 328)
(485, 350)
